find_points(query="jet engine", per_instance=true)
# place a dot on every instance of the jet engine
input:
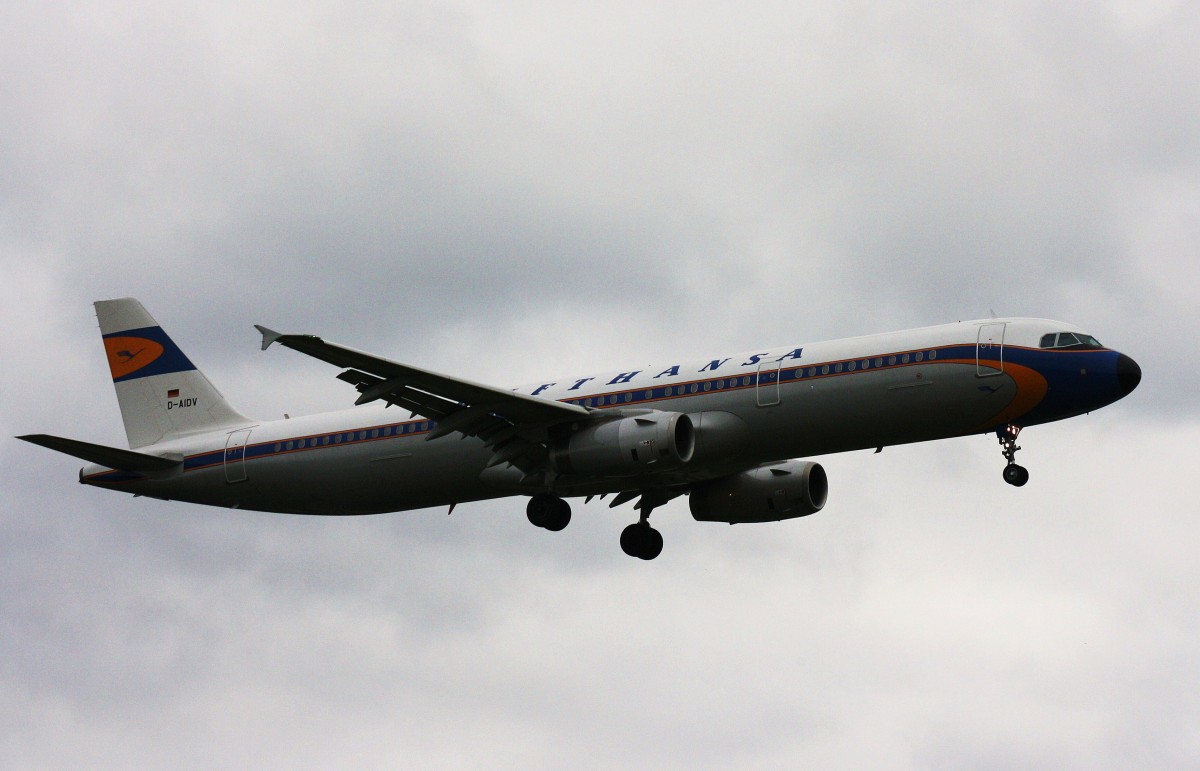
(770, 492)
(655, 441)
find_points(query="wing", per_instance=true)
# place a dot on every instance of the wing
(514, 425)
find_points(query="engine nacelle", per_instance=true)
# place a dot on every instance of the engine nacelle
(656, 441)
(720, 436)
(768, 493)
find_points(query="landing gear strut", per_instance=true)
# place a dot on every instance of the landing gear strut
(548, 511)
(1013, 474)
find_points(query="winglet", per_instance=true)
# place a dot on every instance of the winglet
(269, 336)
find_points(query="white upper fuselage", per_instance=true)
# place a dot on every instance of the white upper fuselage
(795, 400)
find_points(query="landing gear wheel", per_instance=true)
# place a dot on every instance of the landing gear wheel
(545, 510)
(653, 545)
(560, 515)
(631, 539)
(641, 541)
(1016, 475)
(1013, 474)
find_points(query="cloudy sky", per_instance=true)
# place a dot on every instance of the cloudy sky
(530, 189)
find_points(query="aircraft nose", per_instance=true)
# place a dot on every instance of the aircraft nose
(1129, 374)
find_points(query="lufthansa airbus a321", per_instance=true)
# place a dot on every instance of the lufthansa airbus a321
(726, 431)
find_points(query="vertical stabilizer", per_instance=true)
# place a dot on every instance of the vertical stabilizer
(161, 393)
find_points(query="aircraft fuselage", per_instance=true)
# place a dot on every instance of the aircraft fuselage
(770, 404)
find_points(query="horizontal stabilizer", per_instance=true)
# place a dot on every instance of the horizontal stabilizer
(125, 460)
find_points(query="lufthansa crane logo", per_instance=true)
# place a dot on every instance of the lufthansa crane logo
(127, 355)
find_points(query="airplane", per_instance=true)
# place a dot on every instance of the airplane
(730, 432)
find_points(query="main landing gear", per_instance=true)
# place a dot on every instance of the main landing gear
(637, 540)
(1013, 474)
(641, 541)
(548, 511)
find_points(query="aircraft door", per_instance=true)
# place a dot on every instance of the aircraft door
(235, 455)
(767, 387)
(989, 350)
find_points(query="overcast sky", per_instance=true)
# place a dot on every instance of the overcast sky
(524, 190)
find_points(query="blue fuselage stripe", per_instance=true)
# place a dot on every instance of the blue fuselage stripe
(1055, 365)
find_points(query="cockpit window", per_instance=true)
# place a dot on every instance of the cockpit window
(1071, 341)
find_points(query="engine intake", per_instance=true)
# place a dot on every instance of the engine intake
(656, 441)
(768, 493)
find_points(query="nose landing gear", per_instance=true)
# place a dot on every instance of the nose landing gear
(1014, 474)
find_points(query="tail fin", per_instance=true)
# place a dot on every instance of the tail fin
(161, 393)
